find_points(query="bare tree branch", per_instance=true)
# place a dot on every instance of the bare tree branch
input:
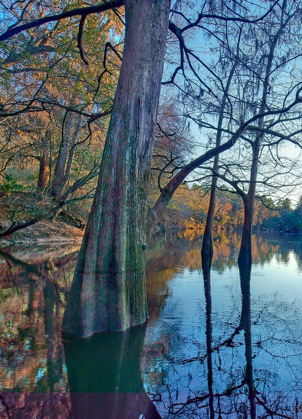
(81, 11)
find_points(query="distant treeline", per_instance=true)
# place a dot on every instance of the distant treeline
(188, 210)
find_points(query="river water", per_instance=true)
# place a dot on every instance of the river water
(219, 344)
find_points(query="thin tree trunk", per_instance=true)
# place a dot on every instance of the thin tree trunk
(44, 169)
(43, 177)
(245, 254)
(168, 191)
(207, 244)
(61, 173)
(109, 290)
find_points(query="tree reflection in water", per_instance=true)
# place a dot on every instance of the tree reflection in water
(103, 377)
(245, 281)
(206, 269)
(216, 346)
(246, 376)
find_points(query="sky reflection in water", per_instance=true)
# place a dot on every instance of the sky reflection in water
(225, 344)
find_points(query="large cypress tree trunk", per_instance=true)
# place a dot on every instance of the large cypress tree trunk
(109, 290)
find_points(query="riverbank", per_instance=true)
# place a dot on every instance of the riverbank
(44, 232)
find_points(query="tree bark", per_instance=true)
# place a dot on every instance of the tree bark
(109, 290)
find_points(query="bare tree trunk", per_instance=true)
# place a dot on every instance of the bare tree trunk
(245, 254)
(168, 191)
(109, 289)
(44, 169)
(207, 244)
(63, 166)
(43, 177)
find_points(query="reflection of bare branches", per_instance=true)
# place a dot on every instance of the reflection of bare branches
(199, 399)
(270, 411)
(227, 342)
(183, 390)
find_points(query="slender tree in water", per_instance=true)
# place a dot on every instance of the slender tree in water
(207, 244)
(274, 35)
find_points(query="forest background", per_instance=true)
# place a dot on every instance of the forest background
(57, 89)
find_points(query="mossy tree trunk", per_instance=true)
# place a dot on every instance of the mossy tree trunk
(109, 291)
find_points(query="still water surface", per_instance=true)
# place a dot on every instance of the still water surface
(219, 344)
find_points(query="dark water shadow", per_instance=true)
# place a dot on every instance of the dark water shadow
(104, 376)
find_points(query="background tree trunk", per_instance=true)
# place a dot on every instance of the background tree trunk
(70, 131)
(207, 244)
(109, 290)
(44, 169)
